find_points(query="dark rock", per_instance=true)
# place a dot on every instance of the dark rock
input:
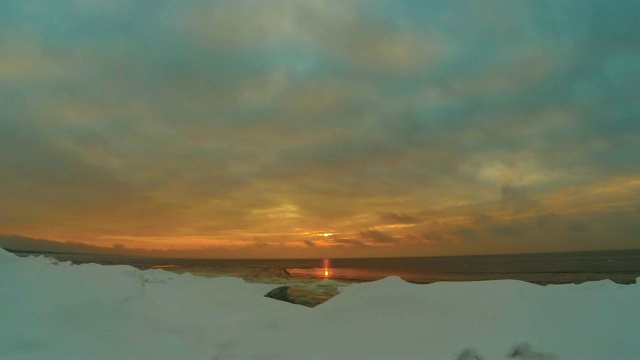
(280, 293)
(302, 296)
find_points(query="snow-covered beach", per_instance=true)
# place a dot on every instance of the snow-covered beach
(58, 310)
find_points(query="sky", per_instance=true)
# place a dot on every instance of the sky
(293, 128)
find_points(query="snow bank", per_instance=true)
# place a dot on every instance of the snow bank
(62, 311)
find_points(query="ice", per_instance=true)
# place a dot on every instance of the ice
(61, 311)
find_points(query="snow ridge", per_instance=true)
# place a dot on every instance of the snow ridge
(63, 311)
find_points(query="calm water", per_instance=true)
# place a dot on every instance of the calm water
(551, 268)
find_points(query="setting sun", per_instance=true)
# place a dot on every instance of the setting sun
(324, 234)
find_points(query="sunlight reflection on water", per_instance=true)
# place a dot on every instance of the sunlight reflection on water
(326, 265)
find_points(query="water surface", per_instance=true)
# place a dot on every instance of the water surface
(622, 266)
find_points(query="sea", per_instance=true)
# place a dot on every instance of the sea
(620, 266)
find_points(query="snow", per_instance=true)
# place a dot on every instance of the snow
(62, 311)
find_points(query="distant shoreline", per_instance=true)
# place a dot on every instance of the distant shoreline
(46, 252)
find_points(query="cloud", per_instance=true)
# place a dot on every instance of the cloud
(377, 237)
(516, 199)
(578, 226)
(348, 242)
(316, 29)
(397, 218)
(546, 220)
(36, 172)
(309, 243)
(27, 61)
(508, 229)
(464, 233)
(483, 219)
(259, 244)
(437, 237)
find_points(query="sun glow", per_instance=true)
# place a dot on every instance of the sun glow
(324, 234)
